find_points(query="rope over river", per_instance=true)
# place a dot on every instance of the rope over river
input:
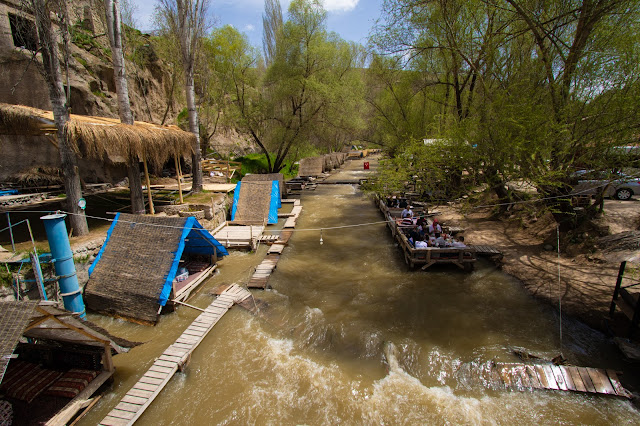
(349, 334)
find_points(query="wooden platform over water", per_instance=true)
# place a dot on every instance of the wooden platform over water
(553, 377)
(238, 236)
(142, 394)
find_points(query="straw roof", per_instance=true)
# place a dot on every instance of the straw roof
(266, 177)
(311, 166)
(254, 203)
(99, 137)
(14, 317)
(131, 273)
(42, 320)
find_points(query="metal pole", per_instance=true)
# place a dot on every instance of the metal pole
(63, 260)
(13, 245)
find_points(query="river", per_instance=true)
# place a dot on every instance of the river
(348, 334)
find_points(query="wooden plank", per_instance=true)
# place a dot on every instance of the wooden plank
(544, 383)
(127, 415)
(175, 352)
(114, 421)
(139, 392)
(150, 380)
(548, 375)
(160, 369)
(617, 386)
(525, 381)
(533, 376)
(601, 381)
(155, 375)
(196, 333)
(559, 377)
(567, 378)
(165, 363)
(124, 406)
(584, 374)
(145, 387)
(170, 358)
(131, 399)
(577, 380)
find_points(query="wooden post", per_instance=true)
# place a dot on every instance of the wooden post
(178, 175)
(107, 362)
(146, 176)
(623, 266)
(228, 173)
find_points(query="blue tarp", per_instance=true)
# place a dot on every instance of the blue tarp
(194, 239)
(274, 204)
(8, 192)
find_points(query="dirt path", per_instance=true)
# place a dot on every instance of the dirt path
(586, 281)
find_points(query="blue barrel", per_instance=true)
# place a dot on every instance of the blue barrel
(63, 261)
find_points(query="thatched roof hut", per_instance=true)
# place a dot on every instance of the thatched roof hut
(133, 274)
(66, 360)
(256, 203)
(311, 166)
(100, 137)
(267, 177)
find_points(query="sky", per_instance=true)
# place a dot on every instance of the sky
(351, 19)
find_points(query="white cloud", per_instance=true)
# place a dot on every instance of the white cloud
(340, 5)
(249, 27)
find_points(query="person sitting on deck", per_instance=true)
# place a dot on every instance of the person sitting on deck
(460, 243)
(435, 227)
(421, 244)
(406, 222)
(422, 222)
(440, 240)
(402, 203)
(407, 212)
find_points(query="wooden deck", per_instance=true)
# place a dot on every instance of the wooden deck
(182, 290)
(553, 377)
(488, 251)
(464, 258)
(142, 394)
(238, 236)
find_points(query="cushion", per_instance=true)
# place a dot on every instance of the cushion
(25, 381)
(71, 383)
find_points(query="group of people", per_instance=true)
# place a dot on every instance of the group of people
(423, 234)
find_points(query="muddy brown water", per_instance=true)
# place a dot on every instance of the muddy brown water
(351, 335)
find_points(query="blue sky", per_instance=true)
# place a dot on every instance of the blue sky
(352, 19)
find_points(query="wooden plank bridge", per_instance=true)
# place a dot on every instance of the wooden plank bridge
(263, 271)
(553, 377)
(142, 394)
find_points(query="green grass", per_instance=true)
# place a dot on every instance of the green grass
(257, 163)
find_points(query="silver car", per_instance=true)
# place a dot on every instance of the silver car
(617, 185)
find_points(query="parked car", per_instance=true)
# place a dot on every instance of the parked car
(617, 184)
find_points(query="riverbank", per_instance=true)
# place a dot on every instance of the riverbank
(587, 280)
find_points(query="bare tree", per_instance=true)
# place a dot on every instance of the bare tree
(187, 20)
(271, 27)
(114, 31)
(53, 76)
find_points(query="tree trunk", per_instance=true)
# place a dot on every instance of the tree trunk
(112, 12)
(194, 128)
(53, 77)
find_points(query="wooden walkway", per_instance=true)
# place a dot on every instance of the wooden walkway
(553, 377)
(263, 271)
(487, 251)
(142, 394)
